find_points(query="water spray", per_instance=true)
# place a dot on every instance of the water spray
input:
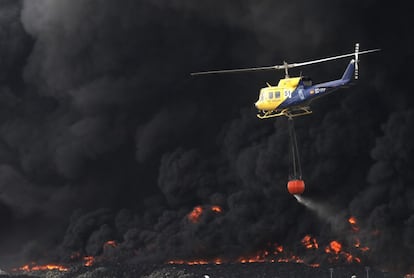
(320, 209)
(323, 211)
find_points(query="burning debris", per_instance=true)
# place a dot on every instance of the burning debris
(352, 220)
(34, 267)
(96, 271)
(336, 249)
(110, 244)
(76, 261)
(310, 242)
(276, 253)
(310, 253)
(89, 260)
(196, 213)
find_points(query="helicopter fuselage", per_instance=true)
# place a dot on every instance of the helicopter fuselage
(292, 96)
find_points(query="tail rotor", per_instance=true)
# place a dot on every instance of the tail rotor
(356, 60)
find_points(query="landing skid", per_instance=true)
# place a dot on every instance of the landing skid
(290, 113)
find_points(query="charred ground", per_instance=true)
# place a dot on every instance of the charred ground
(259, 270)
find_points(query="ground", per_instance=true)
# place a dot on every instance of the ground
(260, 270)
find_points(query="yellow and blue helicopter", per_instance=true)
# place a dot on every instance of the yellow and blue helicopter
(292, 96)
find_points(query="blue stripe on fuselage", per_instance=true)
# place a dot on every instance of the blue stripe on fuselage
(304, 94)
(301, 94)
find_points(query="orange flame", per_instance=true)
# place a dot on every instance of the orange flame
(353, 221)
(276, 253)
(334, 246)
(264, 256)
(349, 258)
(258, 258)
(195, 214)
(292, 259)
(88, 260)
(310, 242)
(194, 262)
(197, 262)
(34, 267)
(357, 244)
(278, 249)
(110, 243)
(216, 209)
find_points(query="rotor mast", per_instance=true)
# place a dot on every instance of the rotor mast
(286, 66)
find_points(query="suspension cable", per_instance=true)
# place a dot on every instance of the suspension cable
(297, 169)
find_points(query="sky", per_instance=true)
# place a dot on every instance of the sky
(104, 135)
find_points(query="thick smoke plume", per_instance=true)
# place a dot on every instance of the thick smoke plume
(105, 136)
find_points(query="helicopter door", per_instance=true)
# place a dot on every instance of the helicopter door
(301, 92)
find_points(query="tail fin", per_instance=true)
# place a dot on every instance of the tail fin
(349, 72)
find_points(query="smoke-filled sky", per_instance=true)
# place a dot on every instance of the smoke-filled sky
(104, 135)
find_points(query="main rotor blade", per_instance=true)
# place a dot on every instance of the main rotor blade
(284, 66)
(234, 70)
(331, 58)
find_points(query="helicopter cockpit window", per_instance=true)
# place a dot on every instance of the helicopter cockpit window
(270, 95)
(277, 94)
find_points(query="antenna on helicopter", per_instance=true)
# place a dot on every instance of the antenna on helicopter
(285, 66)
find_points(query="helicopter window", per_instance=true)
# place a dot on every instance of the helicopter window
(277, 94)
(270, 95)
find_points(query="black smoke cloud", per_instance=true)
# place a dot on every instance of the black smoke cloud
(386, 201)
(104, 136)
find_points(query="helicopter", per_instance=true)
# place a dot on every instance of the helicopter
(293, 95)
